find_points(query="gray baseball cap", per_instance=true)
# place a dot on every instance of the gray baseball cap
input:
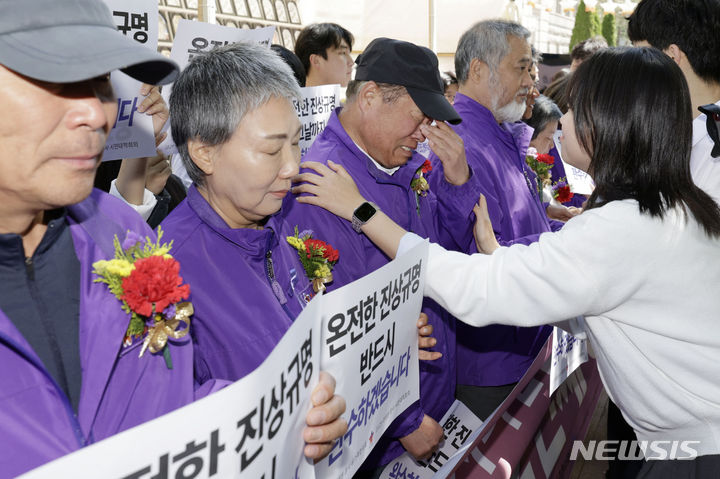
(66, 41)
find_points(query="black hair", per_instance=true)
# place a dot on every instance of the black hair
(292, 60)
(316, 38)
(544, 111)
(557, 92)
(633, 116)
(692, 25)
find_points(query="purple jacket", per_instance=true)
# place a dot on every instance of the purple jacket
(239, 315)
(359, 256)
(497, 355)
(119, 389)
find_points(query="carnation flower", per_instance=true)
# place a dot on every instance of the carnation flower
(547, 159)
(153, 285)
(561, 191)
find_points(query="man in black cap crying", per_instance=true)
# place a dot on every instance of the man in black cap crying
(397, 100)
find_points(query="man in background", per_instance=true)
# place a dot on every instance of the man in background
(324, 50)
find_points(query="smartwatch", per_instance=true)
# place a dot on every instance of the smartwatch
(363, 214)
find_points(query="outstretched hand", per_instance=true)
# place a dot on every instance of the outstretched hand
(331, 188)
(484, 235)
(562, 213)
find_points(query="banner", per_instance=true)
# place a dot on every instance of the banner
(132, 133)
(251, 428)
(369, 344)
(193, 37)
(364, 334)
(314, 110)
(531, 433)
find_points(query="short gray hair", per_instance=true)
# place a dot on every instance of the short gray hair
(390, 93)
(544, 111)
(488, 42)
(218, 88)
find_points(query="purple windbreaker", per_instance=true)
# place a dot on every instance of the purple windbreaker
(119, 389)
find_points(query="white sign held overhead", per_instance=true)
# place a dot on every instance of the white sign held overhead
(132, 133)
(314, 110)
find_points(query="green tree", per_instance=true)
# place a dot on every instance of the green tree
(595, 23)
(608, 29)
(587, 24)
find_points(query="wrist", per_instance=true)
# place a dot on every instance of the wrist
(362, 214)
(457, 176)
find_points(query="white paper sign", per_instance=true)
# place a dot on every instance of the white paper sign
(226, 431)
(369, 344)
(459, 426)
(193, 37)
(568, 353)
(132, 134)
(314, 110)
(579, 181)
(363, 333)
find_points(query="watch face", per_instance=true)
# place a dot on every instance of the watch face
(365, 211)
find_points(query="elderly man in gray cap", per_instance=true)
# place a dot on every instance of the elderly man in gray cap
(68, 378)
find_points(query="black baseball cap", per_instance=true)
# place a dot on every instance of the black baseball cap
(73, 40)
(416, 68)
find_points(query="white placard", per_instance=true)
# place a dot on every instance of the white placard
(460, 428)
(193, 37)
(369, 344)
(225, 427)
(314, 110)
(579, 181)
(374, 361)
(568, 353)
(132, 134)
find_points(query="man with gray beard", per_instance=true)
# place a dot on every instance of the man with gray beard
(492, 63)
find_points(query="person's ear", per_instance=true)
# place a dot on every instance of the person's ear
(368, 94)
(202, 155)
(674, 52)
(315, 60)
(479, 71)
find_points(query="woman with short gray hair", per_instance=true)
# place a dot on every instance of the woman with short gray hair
(237, 132)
